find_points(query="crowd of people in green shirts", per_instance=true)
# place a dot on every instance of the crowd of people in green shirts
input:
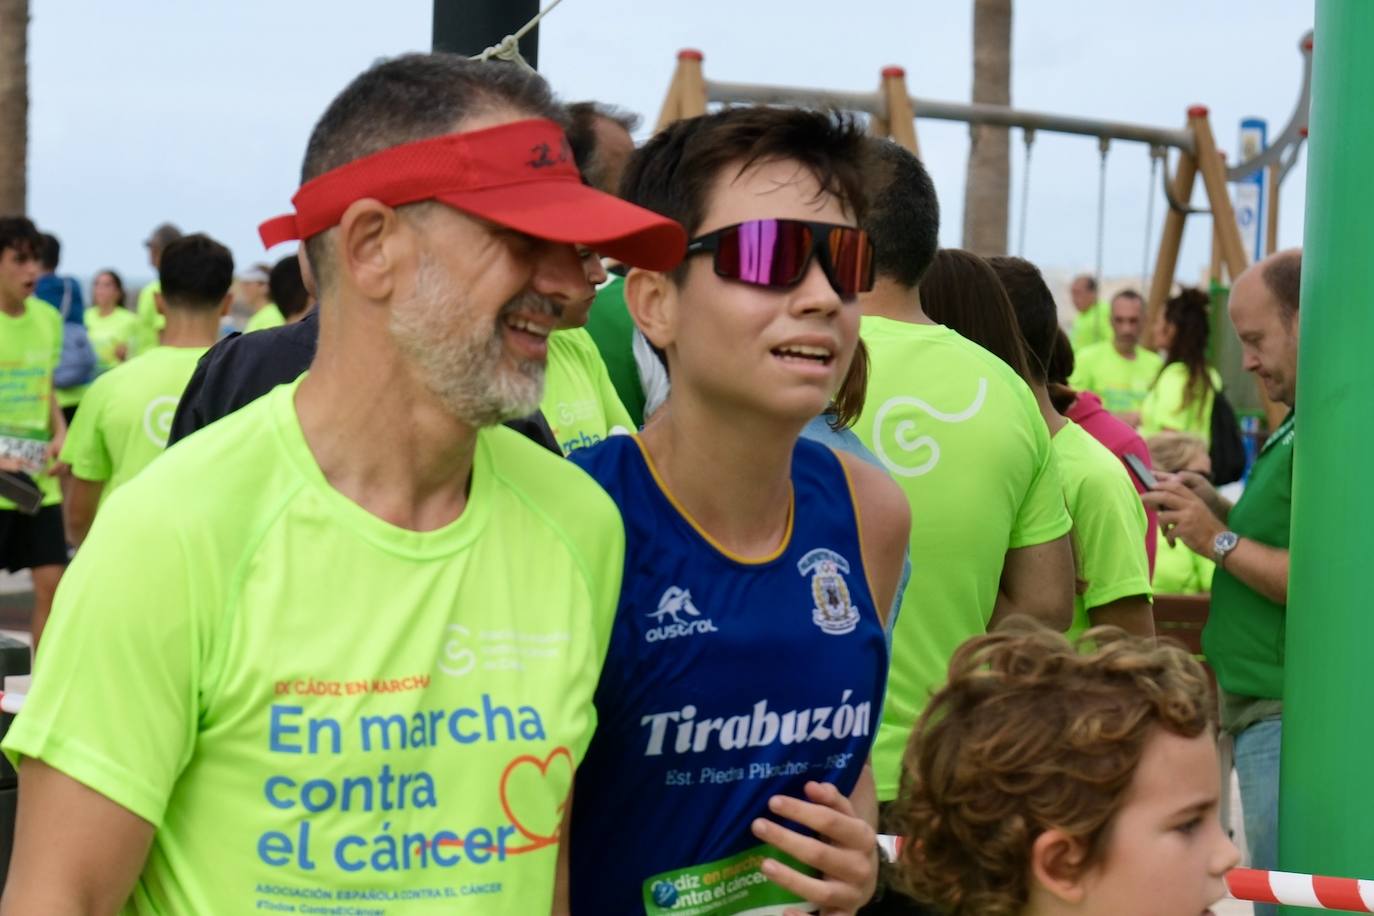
(1006, 435)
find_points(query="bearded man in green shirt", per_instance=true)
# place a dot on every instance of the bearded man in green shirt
(342, 644)
(1119, 370)
(1244, 636)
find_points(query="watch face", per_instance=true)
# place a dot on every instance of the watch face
(1225, 543)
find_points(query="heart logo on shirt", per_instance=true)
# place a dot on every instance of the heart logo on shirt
(526, 784)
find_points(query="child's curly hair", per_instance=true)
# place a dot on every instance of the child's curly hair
(1032, 733)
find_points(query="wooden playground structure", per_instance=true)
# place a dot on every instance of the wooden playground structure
(892, 112)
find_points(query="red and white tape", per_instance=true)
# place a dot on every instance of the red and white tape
(1348, 895)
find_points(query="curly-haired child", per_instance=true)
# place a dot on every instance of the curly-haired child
(1049, 779)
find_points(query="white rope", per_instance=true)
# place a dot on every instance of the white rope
(508, 48)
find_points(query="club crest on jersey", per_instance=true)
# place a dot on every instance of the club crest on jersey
(834, 612)
(677, 616)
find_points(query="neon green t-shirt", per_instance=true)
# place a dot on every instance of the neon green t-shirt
(1179, 571)
(269, 316)
(1108, 523)
(107, 332)
(1091, 327)
(30, 349)
(1121, 383)
(313, 706)
(613, 330)
(963, 437)
(580, 402)
(1163, 406)
(150, 320)
(124, 421)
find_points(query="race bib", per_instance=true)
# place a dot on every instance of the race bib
(30, 453)
(733, 886)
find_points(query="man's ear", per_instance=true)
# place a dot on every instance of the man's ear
(652, 300)
(370, 244)
(160, 302)
(1056, 864)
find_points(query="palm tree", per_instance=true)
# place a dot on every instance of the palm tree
(987, 187)
(14, 105)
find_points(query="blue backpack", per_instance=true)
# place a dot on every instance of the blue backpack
(78, 364)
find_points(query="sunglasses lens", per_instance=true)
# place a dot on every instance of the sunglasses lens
(764, 252)
(851, 260)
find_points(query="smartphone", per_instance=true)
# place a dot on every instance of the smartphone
(20, 489)
(1141, 473)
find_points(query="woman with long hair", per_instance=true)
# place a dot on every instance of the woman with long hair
(962, 292)
(1182, 396)
(111, 327)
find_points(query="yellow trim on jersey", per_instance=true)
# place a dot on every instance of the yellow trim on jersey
(882, 613)
(705, 535)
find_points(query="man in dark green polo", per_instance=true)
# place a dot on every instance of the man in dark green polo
(1244, 637)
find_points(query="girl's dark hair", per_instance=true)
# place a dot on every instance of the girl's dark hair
(117, 280)
(849, 400)
(1034, 306)
(963, 293)
(1058, 372)
(1189, 313)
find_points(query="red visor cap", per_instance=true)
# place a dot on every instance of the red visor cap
(519, 175)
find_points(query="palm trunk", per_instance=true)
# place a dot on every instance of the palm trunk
(14, 105)
(988, 185)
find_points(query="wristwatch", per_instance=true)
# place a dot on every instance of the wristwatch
(1223, 544)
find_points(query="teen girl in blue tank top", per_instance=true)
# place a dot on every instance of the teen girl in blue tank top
(744, 679)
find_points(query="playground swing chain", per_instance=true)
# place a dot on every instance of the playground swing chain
(1156, 154)
(1028, 134)
(1103, 145)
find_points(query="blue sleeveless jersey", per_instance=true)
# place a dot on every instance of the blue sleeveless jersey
(727, 682)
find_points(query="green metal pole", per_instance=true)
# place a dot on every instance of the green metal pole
(1326, 808)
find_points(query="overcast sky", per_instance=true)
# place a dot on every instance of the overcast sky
(198, 113)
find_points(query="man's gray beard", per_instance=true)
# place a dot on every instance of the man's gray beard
(460, 358)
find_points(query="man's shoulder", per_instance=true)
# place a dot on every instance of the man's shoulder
(291, 347)
(1093, 352)
(1088, 465)
(242, 368)
(571, 343)
(554, 488)
(929, 359)
(43, 309)
(221, 463)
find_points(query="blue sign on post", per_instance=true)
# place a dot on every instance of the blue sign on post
(1249, 192)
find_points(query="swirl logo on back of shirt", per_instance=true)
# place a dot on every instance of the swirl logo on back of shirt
(157, 419)
(902, 431)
